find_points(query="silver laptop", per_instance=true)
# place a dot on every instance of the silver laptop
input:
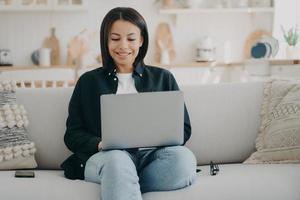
(142, 120)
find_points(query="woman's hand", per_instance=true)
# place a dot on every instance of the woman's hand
(100, 146)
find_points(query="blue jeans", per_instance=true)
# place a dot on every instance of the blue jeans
(126, 176)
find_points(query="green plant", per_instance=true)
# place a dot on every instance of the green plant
(291, 36)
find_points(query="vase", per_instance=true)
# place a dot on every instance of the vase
(292, 52)
(167, 4)
(45, 57)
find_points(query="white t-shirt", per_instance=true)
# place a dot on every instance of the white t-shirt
(126, 84)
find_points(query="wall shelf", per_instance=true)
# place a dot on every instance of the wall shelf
(216, 10)
(174, 12)
(45, 5)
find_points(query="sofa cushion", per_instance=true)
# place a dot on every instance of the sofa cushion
(225, 120)
(47, 110)
(234, 182)
(279, 135)
(240, 181)
(16, 147)
(47, 185)
(218, 112)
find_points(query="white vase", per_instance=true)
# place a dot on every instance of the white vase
(227, 55)
(165, 57)
(292, 52)
(45, 57)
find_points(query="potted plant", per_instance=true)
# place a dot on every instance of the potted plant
(291, 37)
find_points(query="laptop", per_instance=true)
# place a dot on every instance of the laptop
(150, 119)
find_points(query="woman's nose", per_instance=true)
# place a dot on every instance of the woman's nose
(123, 43)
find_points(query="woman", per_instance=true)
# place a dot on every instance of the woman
(123, 174)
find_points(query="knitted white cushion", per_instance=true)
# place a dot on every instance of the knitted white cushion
(278, 139)
(16, 148)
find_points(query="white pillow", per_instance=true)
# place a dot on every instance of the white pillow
(16, 148)
(278, 139)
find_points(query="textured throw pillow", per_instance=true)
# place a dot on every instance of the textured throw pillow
(16, 148)
(278, 139)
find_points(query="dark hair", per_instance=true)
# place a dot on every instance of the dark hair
(132, 16)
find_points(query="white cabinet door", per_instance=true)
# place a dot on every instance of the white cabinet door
(41, 75)
(291, 71)
(200, 75)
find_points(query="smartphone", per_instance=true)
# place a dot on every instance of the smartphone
(24, 174)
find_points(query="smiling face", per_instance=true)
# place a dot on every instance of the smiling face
(124, 42)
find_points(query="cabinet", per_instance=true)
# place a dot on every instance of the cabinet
(208, 73)
(59, 76)
(43, 5)
(288, 71)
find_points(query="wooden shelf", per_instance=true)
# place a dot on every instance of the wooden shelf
(50, 5)
(284, 62)
(198, 64)
(273, 62)
(216, 10)
(174, 12)
(70, 7)
(281, 62)
(33, 67)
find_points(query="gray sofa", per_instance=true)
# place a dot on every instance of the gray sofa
(225, 119)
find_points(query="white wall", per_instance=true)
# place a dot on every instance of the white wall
(24, 32)
(286, 15)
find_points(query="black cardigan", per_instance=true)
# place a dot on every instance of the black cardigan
(83, 132)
